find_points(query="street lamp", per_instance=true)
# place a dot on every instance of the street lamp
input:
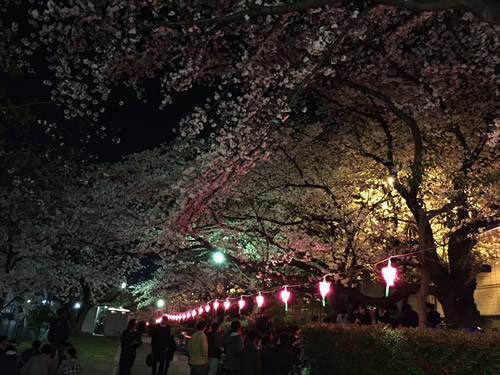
(77, 305)
(160, 303)
(218, 257)
(124, 285)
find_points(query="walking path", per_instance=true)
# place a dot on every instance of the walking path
(178, 366)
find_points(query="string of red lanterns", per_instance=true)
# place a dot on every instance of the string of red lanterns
(389, 274)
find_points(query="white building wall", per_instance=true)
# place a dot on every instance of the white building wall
(487, 293)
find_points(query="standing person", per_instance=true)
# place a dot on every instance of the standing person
(251, 363)
(263, 323)
(172, 347)
(35, 350)
(42, 364)
(266, 343)
(3, 344)
(198, 350)
(433, 317)
(408, 317)
(279, 361)
(70, 365)
(162, 343)
(10, 361)
(234, 347)
(342, 316)
(58, 334)
(129, 341)
(214, 349)
(363, 317)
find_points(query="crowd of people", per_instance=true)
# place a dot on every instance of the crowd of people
(388, 316)
(241, 352)
(41, 359)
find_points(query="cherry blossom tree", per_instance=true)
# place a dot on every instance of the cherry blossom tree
(419, 76)
(64, 235)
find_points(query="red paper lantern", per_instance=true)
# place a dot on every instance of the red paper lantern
(324, 289)
(285, 295)
(241, 304)
(389, 273)
(260, 300)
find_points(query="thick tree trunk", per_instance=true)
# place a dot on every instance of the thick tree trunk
(457, 299)
(421, 295)
(78, 317)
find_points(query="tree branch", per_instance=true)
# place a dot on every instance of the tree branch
(486, 10)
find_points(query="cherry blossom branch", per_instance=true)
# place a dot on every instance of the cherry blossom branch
(326, 55)
(412, 124)
(487, 10)
(12, 107)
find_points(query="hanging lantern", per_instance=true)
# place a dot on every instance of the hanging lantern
(200, 310)
(188, 315)
(207, 308)
(193, 313)
(260, 300)
(216, 305)
(158, 320)
(324, 289)
(183, 316)
(227, 304)
(285, 295)
(389, 274)
(241, 304)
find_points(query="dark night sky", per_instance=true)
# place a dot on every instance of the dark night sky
(139, 125)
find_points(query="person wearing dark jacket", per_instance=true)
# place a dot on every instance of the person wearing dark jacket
(129, 341)
(433, 317)
(279, 360)
(215, 348)
(58, 334)
(35, 350)
(10, 362)
(263, 323)
(162, 347)
(408, 317)
(251, 363)
(363, 317)
(234, 347)
(41, 364)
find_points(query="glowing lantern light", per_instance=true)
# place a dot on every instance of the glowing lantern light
(216, 305)
(285, 295)
(324, 289)
(188, 315)
(227, 304)
(193, 313)
(183, 316)
(200, 310)
(389, 274)
(260, 300)
(241, 304)
(207, 308)
(147, 323)
(158, 320)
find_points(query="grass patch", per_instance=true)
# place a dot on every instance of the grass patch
(98, 348)
(95, 347)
